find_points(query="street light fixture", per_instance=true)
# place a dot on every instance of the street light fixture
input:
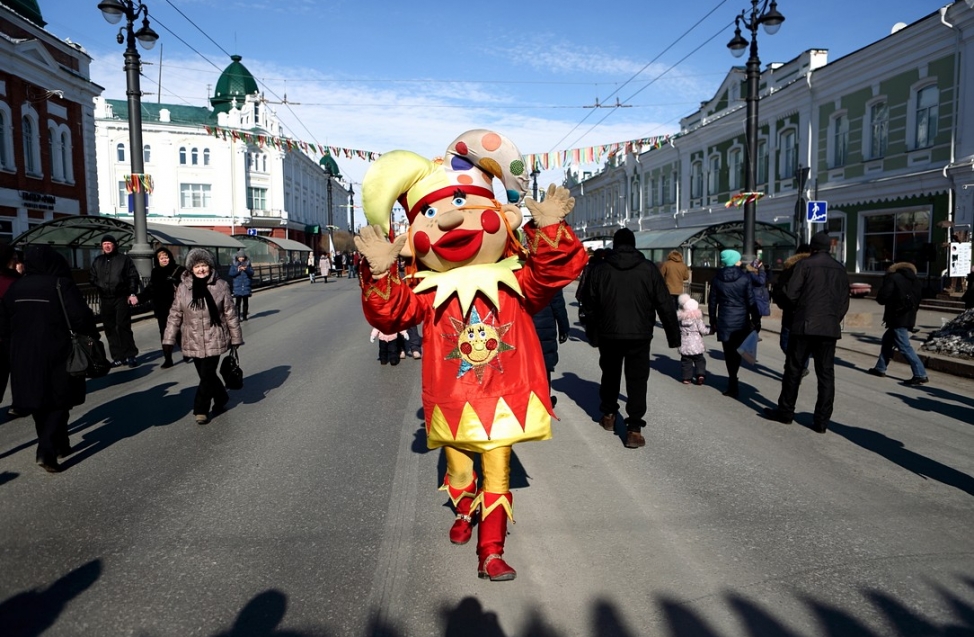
(114, 11)
(534, 181)
(767, 16)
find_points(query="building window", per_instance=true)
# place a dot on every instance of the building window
(54, 153)
(927, 113)
(664, 189)
(250, 160)
(4, 135)
(893, 237)
(182, 156)
(194, 157)
(206, 156)
(713, 176)
(66, 162)
(263, 163)
(120, 152)
(734, 169)
(147, 153)
(30, 151)
(878, 129)
(194, 195)
(257, 198)
(123, 195)
(789, 154)
(762, 176)
(696, 180)
(6, 230)
(648, 194)
(634, 203)
(840, 140)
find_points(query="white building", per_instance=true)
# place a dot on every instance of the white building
(223, 169)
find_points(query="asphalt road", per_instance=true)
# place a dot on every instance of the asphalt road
(311, 508)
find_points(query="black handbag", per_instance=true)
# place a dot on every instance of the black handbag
(87, 356)
(230, 370)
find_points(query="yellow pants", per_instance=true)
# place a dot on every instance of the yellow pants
(495, 464)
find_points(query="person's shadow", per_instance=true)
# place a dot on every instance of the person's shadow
(31, 613)
(584, 392)
(258, 386)
(261, 616)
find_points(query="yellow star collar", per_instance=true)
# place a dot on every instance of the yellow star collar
(466, 281)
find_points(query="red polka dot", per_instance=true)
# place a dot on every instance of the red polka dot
(492, 344)
(490, 221)
(462, 148)
(465, 179)
(422, 243)
(491, 141)
(466, 348)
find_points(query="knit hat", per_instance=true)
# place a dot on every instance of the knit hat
(199, 255)
(821, 242)
(109, 239)
(623, 237)
(690, 305)
(680, 300)
(241, 253)
(730, 258)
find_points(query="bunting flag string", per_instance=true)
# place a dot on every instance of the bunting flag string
(139, 182)
(743, 198)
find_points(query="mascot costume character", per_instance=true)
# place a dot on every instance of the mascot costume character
(473, 286)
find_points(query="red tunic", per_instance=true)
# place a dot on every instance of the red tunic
(484, 379)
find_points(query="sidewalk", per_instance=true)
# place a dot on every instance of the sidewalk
(863, 331)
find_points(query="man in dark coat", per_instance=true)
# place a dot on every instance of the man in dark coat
(117, 280)
(622, 296)
(779, 298)
(552, 326)
(819, 293)
(900, 292)
(34, 321)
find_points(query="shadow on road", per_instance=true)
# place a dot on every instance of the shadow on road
(7, 476)
(258, 386)
(936, 400)
(263, 314)
(32, 612)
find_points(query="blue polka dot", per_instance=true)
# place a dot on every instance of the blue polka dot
(460, 163)
(513, 196)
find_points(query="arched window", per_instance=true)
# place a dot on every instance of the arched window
(263, 159)
(4, 158)
(120, 152)
(696, 180)
(146, 153)
(182, 155)
(66, 157)
(206, 156)
(30, 153)
(927, 102)
(734, 165)
(634, 193)
(194, 157)
(54, 151)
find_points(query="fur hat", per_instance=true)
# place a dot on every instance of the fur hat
(680, 300)
(199, 255)
(820, 242)
(690, 306)
(730, 258)
(623, 237)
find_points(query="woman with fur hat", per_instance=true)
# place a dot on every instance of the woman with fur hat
(203, 314)
(161, 290)
(484, 381)
(692, 348)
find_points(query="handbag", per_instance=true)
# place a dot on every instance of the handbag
(231, 371)
(87, 356)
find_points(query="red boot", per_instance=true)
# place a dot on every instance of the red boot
(462, 500)
(491, 536)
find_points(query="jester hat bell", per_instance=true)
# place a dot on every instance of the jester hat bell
(471, 163)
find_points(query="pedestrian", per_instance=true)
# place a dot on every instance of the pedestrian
(733, 313)
(779, 298)
(692, 348)
(623, 296)
(33, 321)
(356, 259)
(413, 343)
(349, 268)
(552, 325)
(758, 274)
(675, 273)
(117, 280)
(389, 346)
(242, 273)
(339, 263)
(968, 297)
(311, 266)
(161, 290)
(11, 269)
(204, 315)
(324, 265)
(900, 294)
(483, 370)
(819, 292)
(594, 258)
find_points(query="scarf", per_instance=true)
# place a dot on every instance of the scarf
(201, 295)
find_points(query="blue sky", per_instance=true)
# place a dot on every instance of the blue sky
(381, 75)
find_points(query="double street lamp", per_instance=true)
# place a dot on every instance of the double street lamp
(114, 11)
(767, 16)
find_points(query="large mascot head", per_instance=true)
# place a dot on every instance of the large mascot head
(454, 219)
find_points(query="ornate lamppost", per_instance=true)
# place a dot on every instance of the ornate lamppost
(760, 14)
(114, 11)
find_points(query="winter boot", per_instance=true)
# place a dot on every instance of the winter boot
(496, 507)
(462, 500)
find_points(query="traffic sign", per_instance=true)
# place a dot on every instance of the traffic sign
(252, 232)
(817, 211)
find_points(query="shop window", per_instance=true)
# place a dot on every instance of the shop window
(893, 237)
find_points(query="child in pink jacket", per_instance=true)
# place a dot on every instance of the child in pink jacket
(692, 348)
(388, 346)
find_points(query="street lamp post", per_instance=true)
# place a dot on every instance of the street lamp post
(534, 181)
(769, 17)
(114, 11)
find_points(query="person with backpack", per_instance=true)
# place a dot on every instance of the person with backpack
(900, 293)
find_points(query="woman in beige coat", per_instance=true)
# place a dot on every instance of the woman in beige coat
(203, 313)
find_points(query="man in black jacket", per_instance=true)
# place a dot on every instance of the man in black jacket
(900, 293)
(818, 292)
(117, 280)
(622, 296)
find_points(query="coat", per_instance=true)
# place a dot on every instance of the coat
(161, 289)
(731, 303)
(324, 265)
(759, 280)
(114, 275)
(900, 293)
(623, 296)
(200, 337)
(674, 272)
(33, 320)
(241, 278)
(819, 291)
(692, 331)
(551, 322)
(968, 297)
(778, 289)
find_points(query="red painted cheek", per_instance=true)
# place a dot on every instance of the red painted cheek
(490, 221)
(421, 241)
(492, 344)
(466, 348)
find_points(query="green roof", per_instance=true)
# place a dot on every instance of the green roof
(27, 9)
(178, 113)
(235, 82)
(328, 163)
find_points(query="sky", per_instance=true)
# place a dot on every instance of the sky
(379, 76)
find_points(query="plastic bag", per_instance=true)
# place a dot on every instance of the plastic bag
(749, 348)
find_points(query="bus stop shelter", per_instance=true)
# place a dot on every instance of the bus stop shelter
(701, 245)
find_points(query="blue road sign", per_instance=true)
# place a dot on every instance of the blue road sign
(818, 211)
(252, 232)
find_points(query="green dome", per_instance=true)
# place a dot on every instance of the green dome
(328, 163)
(27, 9)
(235, 83)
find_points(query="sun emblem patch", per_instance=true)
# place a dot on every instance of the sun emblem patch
(478, 344)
